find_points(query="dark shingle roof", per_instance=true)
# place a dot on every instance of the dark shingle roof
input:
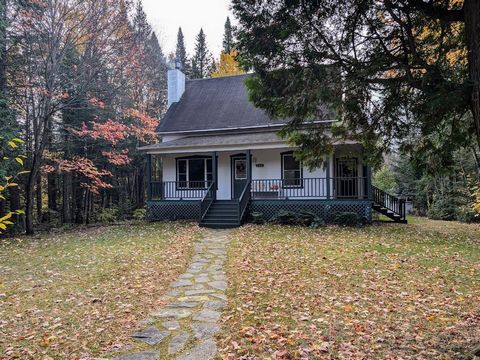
(218, 103)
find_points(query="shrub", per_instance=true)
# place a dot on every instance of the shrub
(257, 217)
(139, 214)
(443, 208)
(467, 214)
(348, 219)
(107, 215)
(304, 218)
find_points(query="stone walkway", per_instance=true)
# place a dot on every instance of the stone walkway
(185, 328)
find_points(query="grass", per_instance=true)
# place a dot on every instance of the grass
(380, 292)
(81, 293)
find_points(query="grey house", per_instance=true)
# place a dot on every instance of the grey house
(220, 158)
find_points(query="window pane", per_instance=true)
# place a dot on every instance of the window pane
(182, 166)
(290, 163)
(240, 169)
(196, 173)
(209, 165)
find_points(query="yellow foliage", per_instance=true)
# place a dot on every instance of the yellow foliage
(228, 65)
(476, 205)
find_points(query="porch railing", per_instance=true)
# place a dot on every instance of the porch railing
(315, 188)
(207, 201)
(390, 202)
(166, 190)
(244, 200)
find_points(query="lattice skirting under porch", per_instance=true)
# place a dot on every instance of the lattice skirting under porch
(326, 209)
(173, 210)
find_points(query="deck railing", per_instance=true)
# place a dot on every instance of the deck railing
(244, 200)
(175, 190)
(270, 189)
(315, 188)
(207, 200)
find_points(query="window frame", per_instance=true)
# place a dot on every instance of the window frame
(300, 170)
(206, 174)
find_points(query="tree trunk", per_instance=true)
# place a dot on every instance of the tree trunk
(39, 199)
(29, 195)
(472, 30)
(15, 204)
(52, 183)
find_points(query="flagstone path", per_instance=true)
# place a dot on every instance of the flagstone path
(185, 328)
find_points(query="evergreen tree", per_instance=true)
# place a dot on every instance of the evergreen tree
(157, 72)
(228, 41)
(202, 59)
(181, 53)
(142, 28)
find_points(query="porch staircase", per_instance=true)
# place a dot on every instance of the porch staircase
(389, 205)
(222, 214)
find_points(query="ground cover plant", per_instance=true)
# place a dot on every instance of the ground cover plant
(379, 292)
(81, 293)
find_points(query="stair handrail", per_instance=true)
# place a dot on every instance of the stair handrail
(389, 202)
(244, 200)
(207, 200)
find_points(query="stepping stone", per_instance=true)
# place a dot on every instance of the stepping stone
(173, 293)
(198, 298)
(220, 296)
(207, 315)
(202, 280)
(205, 330)
(199, 292)
(171, 325)
(178, 343)
(185, 276)
(151, 336)
(206, 350)
(173, 313)
(181, 283)
(214, 305)
(143, 355)
(219, 285)
(183, 304)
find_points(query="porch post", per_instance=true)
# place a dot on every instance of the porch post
(369, 182)
(149, 177)
(249, 165)
(327, 163)
(214, 172)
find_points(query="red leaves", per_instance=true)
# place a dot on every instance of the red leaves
(110, 131)
(86, 168)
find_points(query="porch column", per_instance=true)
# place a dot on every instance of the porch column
(214, 171)
(249, 165)
(327, 164)
(369, 183)
(149, 177)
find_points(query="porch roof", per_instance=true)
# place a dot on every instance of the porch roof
(260, 140)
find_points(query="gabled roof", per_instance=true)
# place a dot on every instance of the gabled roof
(215, 104)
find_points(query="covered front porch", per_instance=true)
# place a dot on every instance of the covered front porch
(193, 185)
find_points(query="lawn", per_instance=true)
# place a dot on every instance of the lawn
(81, 293)
(380, 292)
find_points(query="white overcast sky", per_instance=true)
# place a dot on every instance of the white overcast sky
(166, 16)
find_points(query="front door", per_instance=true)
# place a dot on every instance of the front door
(347, 181)
(239, 175)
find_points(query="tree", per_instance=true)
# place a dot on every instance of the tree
(142, 28)
(228, 41)
(408, 69)
(228, 65)
(181, 52)
(202, 60)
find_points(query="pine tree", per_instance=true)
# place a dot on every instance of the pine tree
(181, 53)
(157, 72)
(202, 59)
(142, 28)
(228, 41)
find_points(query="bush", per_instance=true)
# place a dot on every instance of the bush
(257, 217)
(443, 208)
(139, 214)
(107, 215)
(348, 219)
(467, 214)
(304, 218)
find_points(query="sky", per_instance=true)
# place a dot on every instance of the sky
(166, 16)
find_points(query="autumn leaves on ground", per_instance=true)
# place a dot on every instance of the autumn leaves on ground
(385, 291)
(82, 293)
(381, 292)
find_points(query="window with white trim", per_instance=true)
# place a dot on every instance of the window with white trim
(194, 173)
(291, 171)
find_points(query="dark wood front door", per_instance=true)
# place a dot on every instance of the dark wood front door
(347, 180)
(239, 175)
